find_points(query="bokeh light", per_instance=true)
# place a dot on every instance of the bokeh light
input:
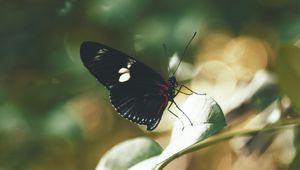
(55, 115)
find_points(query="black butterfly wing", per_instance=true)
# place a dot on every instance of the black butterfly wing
(139, 103)
(135, 89)
(110, 66)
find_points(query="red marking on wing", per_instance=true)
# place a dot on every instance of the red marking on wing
(165, 102)
(164, 86)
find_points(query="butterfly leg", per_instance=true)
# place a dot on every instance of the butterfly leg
(183, 112)
(178, 90)
(192, 92)
(179, 107)
(175, 114)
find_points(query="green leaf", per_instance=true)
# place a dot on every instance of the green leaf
(207, 118)
(128, 153)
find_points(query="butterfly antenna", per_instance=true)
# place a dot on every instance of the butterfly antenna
(166, 54)
(186, 47)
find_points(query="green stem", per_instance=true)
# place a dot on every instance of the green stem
(228, 135)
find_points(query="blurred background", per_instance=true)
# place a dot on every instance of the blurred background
(55, 115)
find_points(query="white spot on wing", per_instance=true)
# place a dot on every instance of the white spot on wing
(102, 51)
(123, 70)
(97, 57)
(130, 62)
(124, 77)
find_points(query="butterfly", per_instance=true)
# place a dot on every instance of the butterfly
(137, 92)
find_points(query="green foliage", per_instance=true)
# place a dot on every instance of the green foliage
(287, 65)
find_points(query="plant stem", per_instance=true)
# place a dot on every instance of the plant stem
(228, 135)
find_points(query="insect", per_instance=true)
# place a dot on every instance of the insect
(137, 92)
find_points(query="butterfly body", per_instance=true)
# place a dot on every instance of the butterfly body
(137, 92)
